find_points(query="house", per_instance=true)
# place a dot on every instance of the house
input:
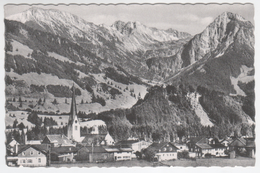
(96, 139)
(12, 147)
(192, 141)
(123, 154)
(237, 145)
(33, 155)
(97, 153)
(163, 151)
(135, 145)
(226, 142)
(63, 153)
(218, 147)
(250, 147)
(57, 140)
(203, 148)
(109, 140)
(181, 146)
(120, 153)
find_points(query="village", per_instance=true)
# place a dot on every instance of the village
(96, 148)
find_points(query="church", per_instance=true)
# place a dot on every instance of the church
(73, 132)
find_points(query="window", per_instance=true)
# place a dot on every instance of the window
(76, 121)
(39, 153)
(180, 147)
(29, 161)
(39, 160)
(170, 149)
(23, 153)
(164, 149)
(31, 152)
(23, 160)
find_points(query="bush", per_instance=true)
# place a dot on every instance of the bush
(183, 155)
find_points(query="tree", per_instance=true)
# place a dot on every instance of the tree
(157, 136)
(54, 102)
(15, 123)
(82, 101)
(21, 126)
(40, 101)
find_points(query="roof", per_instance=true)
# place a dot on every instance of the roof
(250, 144)
(97, 149)
(92, 136)
(112, 149)
(32, 142)
(127, 142)
(217, 145)
(126, 149)
(241, 142)
(204, 146)
(198, 139)
(157, 146)
(60, 139)
(64, 149)
(42, 147)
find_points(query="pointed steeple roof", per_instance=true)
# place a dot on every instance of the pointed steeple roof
(73, 109)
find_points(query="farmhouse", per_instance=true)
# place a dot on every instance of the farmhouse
(12, 147)
(63, 153)
(135, 145)
(33, 155)
(96, 139)
(57, 140)
(163, 151)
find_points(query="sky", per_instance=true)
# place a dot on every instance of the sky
(188, 18)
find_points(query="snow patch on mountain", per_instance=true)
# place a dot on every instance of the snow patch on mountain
(196, 106)
(243, 77)
(20, 49)
(63, 59)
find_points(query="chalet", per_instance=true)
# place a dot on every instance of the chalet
(203, 148)
(163, 151)
(218, 147)
(237, 144)
(192, 141)
(33, 155)
(57, 140)
(97, 153)
(63, 153)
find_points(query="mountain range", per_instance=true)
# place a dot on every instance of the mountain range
(157, 78)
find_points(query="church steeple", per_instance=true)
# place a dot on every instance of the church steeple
(73, 124)
(73, 109)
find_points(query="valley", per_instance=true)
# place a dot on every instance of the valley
(138, 81)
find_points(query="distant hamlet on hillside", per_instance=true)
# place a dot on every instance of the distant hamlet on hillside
(81, 93)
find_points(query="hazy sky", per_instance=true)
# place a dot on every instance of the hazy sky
(189, 18)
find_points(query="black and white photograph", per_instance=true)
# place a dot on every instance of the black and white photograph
(129, 85)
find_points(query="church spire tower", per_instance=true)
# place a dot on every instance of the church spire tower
(73, 124)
